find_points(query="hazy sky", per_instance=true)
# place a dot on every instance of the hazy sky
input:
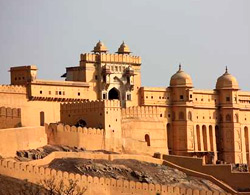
(204, 35)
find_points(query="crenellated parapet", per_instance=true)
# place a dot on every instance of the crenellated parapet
(89, 105)
(94, 113)
(111, 58)
(142, 112)
(10, 117)
(94, 185)
(16, 89)
(81, 130)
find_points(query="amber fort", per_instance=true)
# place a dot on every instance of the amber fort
(101, 105)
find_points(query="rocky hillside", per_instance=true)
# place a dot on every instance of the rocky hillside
(133, 170)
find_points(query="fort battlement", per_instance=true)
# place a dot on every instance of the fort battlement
(60, 134)
(13, 89)
(10, 117)
(141, 112)
(89, 105)
(74, 129)
(115, 58)
(10, 112)
(36, 174)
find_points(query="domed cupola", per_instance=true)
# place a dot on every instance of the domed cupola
(123, 49)
(181, 79)
(100, 48)
(227, 81)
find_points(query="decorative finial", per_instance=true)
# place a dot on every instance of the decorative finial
(179, 66)
(226, 70)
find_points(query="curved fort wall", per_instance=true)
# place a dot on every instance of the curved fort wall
(94, 185)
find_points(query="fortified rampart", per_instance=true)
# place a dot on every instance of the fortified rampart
(95, 185)
(13, 89)
(115, 58)
(24, 138)
(93, 113)
(10, 117)
(142, 112)
(76, 136)
(238, 180)
(143, 130)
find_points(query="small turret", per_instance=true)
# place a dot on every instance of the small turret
(100, 48)
(123, 49)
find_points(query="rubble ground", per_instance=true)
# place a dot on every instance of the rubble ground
(132, 170)
(39, 153)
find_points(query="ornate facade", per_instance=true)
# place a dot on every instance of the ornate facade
(177, 119)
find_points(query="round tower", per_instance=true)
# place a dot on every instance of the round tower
(181, 87)
(230, 142)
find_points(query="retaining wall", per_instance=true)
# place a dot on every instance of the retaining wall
(237, 180)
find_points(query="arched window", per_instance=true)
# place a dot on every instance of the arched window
(211, 138)
(228, 118)
(189, 116)
(147, 139)
(181, 115)
(114, 94)
(42, 118)
(81, 123)
(236, 118)
(198, 136)
(204, 134)
(246, 135)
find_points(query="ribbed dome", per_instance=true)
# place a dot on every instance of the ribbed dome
(123, 49)
(227, 81)
(181, 79)
(100, 47)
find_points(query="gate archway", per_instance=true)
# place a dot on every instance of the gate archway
(114, 94)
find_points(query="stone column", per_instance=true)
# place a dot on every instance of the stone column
(208, 139)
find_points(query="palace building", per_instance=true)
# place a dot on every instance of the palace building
(104, 92)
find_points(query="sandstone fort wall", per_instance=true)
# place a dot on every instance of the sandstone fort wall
(14, 89)
(95, 185)
(24, 138)
(16, 97)
(10, 117)
(143, 130)
(117, 58)
(94, 113)
(142, 112)
(88, 138)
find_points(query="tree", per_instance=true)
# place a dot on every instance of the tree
(52, 187)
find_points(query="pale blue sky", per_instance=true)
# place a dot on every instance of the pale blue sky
(204, 35)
